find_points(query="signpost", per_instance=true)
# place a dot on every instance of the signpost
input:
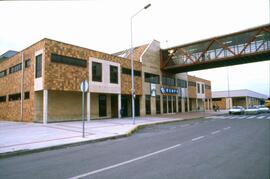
(84, 88)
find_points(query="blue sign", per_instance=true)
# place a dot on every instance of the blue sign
(168, 90)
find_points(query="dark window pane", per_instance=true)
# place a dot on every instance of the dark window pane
(168, 80)
(202, 88)
(181, 83)
(27, 63)
(148, 104)
(170, 104)
(68, 60)
(174, 104)
(158, 104)
(151, 78)
(127, 71)
(198, 88)
(14, 97)
(38, 66)
(191, 83)
(113, 74)
(164, 104)
(26, 95)
(3, 98)
(3, 73)
(96, 71)
(15, 68)
(102, 105)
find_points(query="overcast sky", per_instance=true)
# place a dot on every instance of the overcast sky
(104, 25)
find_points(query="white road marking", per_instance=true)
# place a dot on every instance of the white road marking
(226, 128)
(197, 138)
(260, 117)
(125, 163)
(242, 117)
(215, 132)
(251, 117)
(268, 117)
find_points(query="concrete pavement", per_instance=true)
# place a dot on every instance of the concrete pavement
(20, 137)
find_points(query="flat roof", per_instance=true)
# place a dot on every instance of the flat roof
(238, 93)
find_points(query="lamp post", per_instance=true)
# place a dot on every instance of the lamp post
(132, 63)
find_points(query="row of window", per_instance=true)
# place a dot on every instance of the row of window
(15, 68)
(97, 73)
(166, 80)
(14, 97)
(167, 104)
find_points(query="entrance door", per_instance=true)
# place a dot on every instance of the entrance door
(102, 105)
(124, 107)
(114, 105)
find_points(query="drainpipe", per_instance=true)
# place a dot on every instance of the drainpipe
(22, 87)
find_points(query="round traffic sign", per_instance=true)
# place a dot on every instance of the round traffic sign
(84, 86)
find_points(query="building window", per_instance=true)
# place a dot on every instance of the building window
(179, 104)
(3, 73)
(148, 104)
(158, 104)
(68, 60)
(14, 97)
(102, 106)
(27, 63)
(26, 95)
(151, 78)
(166, 80)
(38, 66)
(113, 74)
(216, 99)
(170, 104)
(127, 71)
(15, 68)
(202, 88)
(181, 83)
(164, 104)
(3, 99)
(96, 72)
(198, 88)
(207, 87)
(191, 83)
(174, 104)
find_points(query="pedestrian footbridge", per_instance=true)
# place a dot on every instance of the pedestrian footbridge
(250, 45)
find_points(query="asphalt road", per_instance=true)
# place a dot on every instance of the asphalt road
(216, 147)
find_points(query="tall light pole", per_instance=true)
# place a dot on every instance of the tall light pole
(132, 63)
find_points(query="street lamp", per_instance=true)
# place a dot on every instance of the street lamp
(132, 63)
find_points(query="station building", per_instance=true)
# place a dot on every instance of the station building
(244, 98)
(42, 84)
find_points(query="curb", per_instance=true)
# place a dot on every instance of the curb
(129, 133)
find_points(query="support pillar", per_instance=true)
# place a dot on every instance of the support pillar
(45, 106)
(188, 109)
(119, 106)
(177, 107)
(88, 106)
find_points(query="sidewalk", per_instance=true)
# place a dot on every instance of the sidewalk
(18, 137)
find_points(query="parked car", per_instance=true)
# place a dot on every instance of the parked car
(237, 110)
(252, 110)
(263, 109)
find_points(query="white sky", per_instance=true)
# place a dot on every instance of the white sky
(104, 25)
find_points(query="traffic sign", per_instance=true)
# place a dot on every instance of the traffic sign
(84, 86)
